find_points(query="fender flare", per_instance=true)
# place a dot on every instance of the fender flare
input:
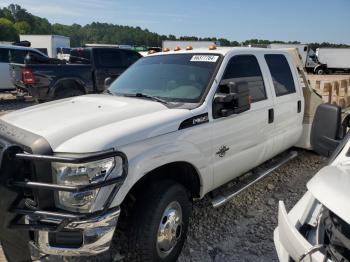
(78, 80)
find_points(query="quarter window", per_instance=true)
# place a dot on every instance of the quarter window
(281, 75)
(246, 68)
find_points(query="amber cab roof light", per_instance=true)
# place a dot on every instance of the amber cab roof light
(166, 49)
(212, 47)
(152, 51)
(189, 47)
(177, 48)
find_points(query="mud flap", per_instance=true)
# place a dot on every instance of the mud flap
(14, 242)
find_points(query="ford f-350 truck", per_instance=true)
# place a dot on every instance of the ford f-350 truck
(174, 127)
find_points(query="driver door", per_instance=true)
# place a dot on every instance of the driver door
(243, 141)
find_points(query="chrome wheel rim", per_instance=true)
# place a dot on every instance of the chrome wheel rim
(170, 229)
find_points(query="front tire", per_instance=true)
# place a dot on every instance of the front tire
(320, 71)
(159, 224)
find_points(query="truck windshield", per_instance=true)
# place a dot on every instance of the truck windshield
(173, 77)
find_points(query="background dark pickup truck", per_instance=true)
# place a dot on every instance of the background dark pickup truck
(85, 72)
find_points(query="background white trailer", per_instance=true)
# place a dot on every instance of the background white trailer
(47, 43)
(183, 44)
(334, 58)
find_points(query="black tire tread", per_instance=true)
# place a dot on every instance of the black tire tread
(139, 236)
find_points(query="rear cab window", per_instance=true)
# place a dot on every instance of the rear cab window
(80, 56)
(246, 68)
(281, 74)
(17, 56)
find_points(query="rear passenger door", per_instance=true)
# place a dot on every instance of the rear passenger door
(246, 137)
(5, 79)
(289, 102)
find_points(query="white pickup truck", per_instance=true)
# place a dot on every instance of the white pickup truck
(172, 128)
(317, 229)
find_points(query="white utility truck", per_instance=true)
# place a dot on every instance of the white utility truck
(51, 45)
(307, 56)
(333, 60)
(318, 227)
(172, 128)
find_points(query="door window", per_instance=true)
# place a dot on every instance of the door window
(110, 58)
(281, 75)
(4, 55)
(246, 68)
(131, 57)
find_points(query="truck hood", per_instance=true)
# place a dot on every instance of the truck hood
(98, 119)
(330, 186)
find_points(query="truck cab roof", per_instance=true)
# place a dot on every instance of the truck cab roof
(16, 47)
(221, 50)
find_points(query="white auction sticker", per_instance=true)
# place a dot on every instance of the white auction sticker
(204, 58)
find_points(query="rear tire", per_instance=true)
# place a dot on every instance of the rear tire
(159, 223)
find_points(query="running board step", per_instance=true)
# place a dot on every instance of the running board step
(253, 177)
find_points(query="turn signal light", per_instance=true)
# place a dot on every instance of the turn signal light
(166, 49)
(212, 47)
(189, 47)
(177, 48)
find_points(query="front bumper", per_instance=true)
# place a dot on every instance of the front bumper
(97, 234)
(289, 242)
(53, 228)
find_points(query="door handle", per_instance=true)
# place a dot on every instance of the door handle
(271, 115)
(299, 106)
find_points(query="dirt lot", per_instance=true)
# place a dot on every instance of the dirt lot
(242, 230)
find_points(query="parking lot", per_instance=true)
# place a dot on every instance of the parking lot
(241, 230)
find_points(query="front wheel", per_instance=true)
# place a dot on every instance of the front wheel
(320, 71)
(159, 224)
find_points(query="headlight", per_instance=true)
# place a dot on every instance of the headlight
(83, 174)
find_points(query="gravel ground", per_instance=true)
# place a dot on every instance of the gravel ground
(9, 102)
(241, 230)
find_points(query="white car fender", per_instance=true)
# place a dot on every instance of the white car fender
(148, 160)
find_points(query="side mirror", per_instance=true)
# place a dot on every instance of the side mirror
(108, 82)
(232, 98)
(326, 129)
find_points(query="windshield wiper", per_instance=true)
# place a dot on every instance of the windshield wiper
(154, 98)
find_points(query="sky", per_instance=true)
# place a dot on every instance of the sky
(300, 20)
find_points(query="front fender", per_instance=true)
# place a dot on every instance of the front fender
(148, 160)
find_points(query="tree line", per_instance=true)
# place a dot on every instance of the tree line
(15, 20)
